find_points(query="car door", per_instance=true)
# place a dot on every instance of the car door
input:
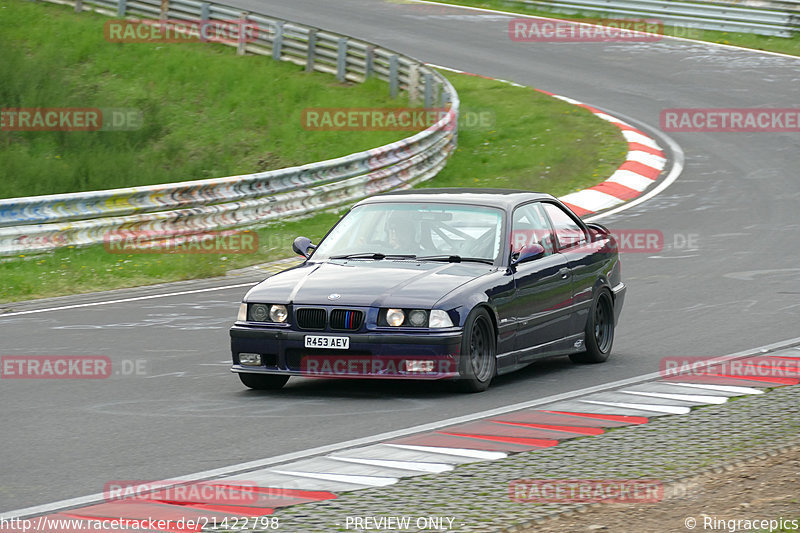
(543, 286)
(583, 259)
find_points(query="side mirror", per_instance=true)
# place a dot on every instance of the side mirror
(529, 253)
(303, 246)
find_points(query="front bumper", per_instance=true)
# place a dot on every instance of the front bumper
(371, 354)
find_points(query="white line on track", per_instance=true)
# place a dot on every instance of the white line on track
(669, 409)
(123, 300)
(320, 450)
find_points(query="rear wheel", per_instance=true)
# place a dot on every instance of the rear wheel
(599, 331)
(478, 361)
(263, 381)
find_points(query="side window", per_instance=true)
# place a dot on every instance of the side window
(568, 232)
(529, 226)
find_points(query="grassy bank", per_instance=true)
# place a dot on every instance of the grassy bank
(535, 142)
(205, 112)
(784, 45)
(524, 139)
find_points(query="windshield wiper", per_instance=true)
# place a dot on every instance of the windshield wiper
(455, 259)
(374, 255)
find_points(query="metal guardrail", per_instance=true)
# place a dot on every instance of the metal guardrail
(709, 16)
(42, 223)
(786, 5)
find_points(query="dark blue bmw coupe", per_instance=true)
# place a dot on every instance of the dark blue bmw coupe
(460, 284)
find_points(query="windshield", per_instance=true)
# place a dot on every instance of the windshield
(416, 230)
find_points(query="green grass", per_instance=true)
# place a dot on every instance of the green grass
(784, 45)
(537, 142)
(534, 142)
(206, 112)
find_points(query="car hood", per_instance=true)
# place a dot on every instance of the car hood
(366, 283)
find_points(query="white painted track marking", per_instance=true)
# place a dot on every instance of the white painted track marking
(123, 300)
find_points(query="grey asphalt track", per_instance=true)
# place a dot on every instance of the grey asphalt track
(739, 288)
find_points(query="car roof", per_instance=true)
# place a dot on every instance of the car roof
(502, 198)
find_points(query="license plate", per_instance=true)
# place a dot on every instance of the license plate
(324, 341)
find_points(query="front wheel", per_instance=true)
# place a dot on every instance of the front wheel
(478, 361)
(263, 381)
(599, 330)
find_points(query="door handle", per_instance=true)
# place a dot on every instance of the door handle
(564, 273)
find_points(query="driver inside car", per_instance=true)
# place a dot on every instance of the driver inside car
(401, 230)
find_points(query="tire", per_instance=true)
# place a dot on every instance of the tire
(599, 332)
(478, 361)
(263, 381)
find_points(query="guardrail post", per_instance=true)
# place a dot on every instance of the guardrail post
(240, 49)
(277, 41)
(369, 62)
(78, 6)
(205, 15)
(394, 82)
(428, 89)
(121, 5)
(341, 60)
(413, 83)
(164, 9)
(312, 49)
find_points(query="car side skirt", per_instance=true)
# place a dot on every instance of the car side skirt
(510, 361)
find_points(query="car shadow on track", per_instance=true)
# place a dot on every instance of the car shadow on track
(353, 388)
(539, 373)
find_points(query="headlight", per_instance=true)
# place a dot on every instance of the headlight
(418, 318)
(278, 313)
(259, 312)
(440, 319)
(242, 316)
(415, 318)
(265, 313)
(395, 317)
